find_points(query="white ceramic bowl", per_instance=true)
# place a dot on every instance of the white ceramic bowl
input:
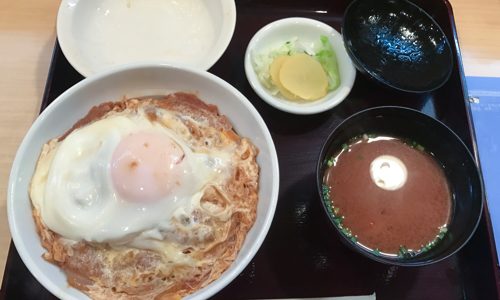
(96, 35)
(308, 32)
(136, 81)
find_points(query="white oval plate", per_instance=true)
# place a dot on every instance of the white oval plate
(96, 35)
(307, 31)
(134, 81)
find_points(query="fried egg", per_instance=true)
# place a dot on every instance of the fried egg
(145, 198)
(121, 179)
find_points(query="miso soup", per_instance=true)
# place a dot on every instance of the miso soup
(389, 195)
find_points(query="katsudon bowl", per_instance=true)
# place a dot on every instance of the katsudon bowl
(421, 133)
(137, 81)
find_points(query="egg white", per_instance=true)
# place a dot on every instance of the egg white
(73, 190)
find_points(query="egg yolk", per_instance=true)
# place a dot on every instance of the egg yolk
(145, 166)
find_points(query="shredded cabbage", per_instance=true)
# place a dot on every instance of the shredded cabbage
(322, 52)
(328, 60)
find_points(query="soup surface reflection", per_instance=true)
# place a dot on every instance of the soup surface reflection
(391, 195)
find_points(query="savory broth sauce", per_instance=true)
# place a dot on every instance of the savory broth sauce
(391, 197)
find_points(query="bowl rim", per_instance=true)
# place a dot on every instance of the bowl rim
(230, 274)
(316, 106)
(383, 259)
(363, 68)
(65, 39)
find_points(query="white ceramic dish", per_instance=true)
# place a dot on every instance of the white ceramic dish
(96, 35)
(308, 32)
(139, 80)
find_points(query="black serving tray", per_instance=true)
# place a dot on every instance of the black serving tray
(302, 256)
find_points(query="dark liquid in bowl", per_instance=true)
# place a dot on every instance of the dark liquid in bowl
(387, 206)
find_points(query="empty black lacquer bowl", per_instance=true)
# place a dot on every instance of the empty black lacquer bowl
(464, 179)
(398, 44)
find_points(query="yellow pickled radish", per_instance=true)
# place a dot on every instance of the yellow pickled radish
(303, 76)
(275, 67)
(274, 70)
